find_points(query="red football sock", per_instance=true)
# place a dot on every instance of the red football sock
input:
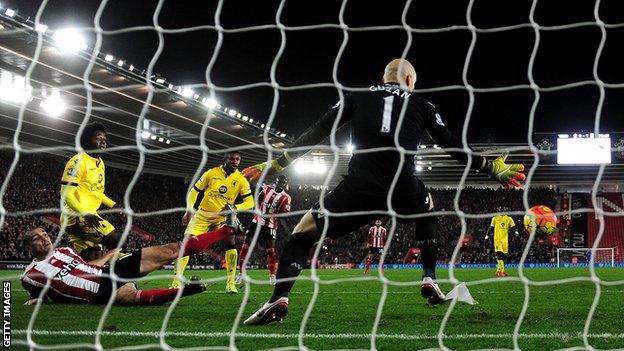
(155, 296)
(271, 260)
(369, 262)
(199, 243)
(241, 258)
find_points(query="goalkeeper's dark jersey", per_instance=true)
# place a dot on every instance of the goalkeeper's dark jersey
(375, 119)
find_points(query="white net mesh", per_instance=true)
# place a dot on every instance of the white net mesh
(208, 147)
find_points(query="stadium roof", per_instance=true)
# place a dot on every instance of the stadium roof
(119, 94)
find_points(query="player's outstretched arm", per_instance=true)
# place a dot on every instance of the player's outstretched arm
(509, 175)
(311, 137)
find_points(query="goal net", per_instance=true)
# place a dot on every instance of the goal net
(180, 83)
(602, 256)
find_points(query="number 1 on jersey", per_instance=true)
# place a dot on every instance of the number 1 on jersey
(387, 114)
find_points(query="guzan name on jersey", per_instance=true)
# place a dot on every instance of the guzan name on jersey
(391, 89)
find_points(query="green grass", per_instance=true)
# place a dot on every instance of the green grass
(344, 314)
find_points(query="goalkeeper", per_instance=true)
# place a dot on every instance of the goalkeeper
(389, 116)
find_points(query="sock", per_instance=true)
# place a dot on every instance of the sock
(179, 266)
(160, 296)
(241, 257)
(369, 262)
(292, 260)
(271, 260)
(199, 243)
(499, 266)
(427, 228)
(231, 258)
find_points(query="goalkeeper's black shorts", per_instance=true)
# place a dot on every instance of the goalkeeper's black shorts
(345, 198)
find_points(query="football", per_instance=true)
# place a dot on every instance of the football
(540, 219)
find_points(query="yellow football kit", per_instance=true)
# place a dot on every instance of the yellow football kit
(208, 197)
(501, 225)
(82, 187)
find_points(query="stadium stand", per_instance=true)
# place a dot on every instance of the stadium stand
(35, 185)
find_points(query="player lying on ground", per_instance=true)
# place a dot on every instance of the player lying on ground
(273, 199)
(82, 191)
(386, 116)
(72, 279)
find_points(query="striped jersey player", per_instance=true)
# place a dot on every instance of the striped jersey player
(377, 236)
(273, 200)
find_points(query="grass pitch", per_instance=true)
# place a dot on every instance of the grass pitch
(344, 313)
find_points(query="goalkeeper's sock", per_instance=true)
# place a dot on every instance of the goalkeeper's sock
(292, 261)
(427, 230)
(202, 242)
(500, 266)
(271, 260)
(231, 259)
(241, 258)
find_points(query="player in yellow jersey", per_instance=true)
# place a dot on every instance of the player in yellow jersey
(82, 192)
(501, 224)
(215, 192)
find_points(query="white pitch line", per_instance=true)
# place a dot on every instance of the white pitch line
(319, 336)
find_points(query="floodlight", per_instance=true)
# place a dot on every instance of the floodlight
(210, 103)
(187, 92)
(232, 113)
(54, 106)
(10, 12)
(108, 58)
(69, 39)
(145, 134)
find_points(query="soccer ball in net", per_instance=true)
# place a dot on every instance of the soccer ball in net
(541, 219)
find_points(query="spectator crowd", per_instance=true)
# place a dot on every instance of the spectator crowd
(32, 198)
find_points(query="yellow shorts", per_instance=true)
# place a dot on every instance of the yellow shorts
(200, 224)
(82, 236)
(501, 246)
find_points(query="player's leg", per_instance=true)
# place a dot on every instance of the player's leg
(196, 227)
(426, 239)
(369, 261)
(498, 248)
(271, 255)
(231, 259)
(251, 230)
(297, 249)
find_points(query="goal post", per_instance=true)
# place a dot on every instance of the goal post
(602, 255)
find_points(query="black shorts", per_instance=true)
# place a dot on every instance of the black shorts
(266, 233)
(127, 267)
(375, 250)
(345, 198)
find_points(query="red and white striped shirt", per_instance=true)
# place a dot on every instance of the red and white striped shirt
(272, 204)
(71, 278)
(377, 236)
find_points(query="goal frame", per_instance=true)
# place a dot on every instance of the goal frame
(611, 249)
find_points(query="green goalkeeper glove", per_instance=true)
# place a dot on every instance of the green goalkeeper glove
(254, 172)
(509, 175)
